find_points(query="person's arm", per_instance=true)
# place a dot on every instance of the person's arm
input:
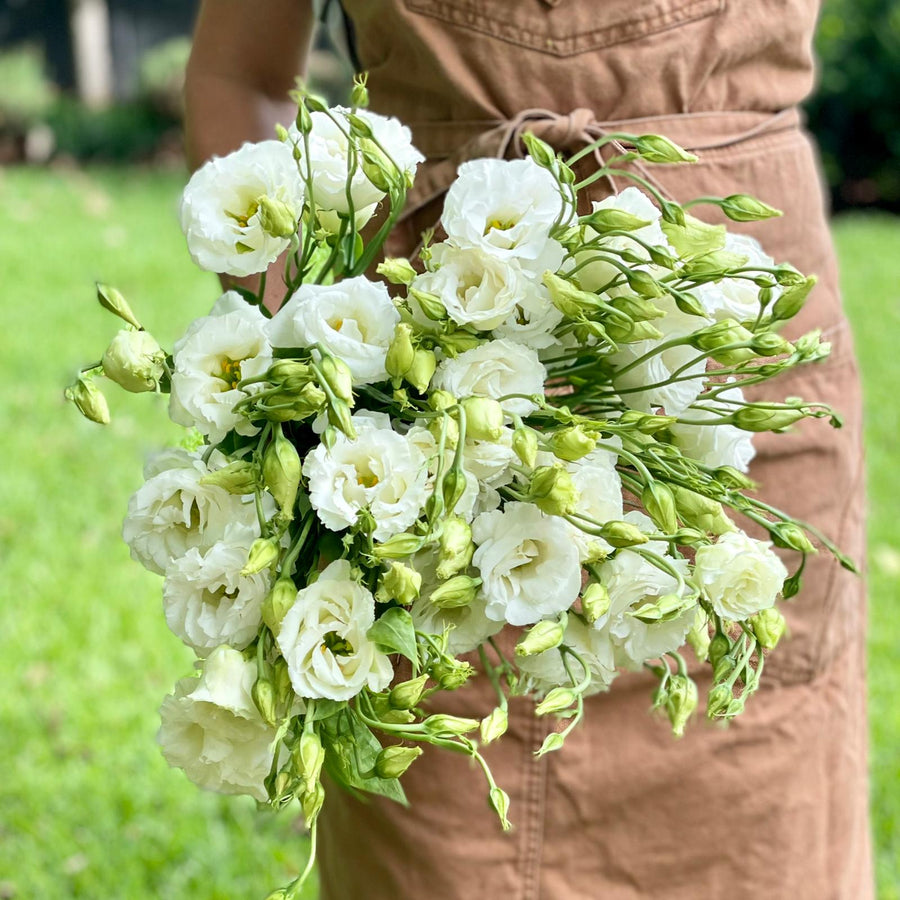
(245, 57)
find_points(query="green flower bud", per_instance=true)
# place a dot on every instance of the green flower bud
(525, 445)
(430, 303)
(499, 801)
(398, 546)
(275, 217)
(439, 400)
(611, 219)
(719, 646)
(666, 608)
(451, 674)
(422, 369)
(264, 552)
(718, 701)
(557, 700)
(701, 512)
(393, 761)
(441, 724)
(595, 602)
(756, 418)
(735, 708)
(407, 694)
(770, 344)
(339, 416)
(484, 418)
(112, 300)
(455, 547)
(734, 479)
(659, 502)
(637, 308)
(359, 94)
(459, 341)
(572, 443)
(135, 361)
(401, 353)
(791, 537)
(716, 262)
(792, 299)
(397, 270)
(722, 334)
(698, 636)
(540, 151)
(768, 627)
(285, 371)
(724, 668)
(376, 166)
(744, 208)
(281, 472)
(456, 592)
(90, 401)
(277, 603)
(238, 477)
(401, 583)
(554, 741)
(658, 149)
(303, 121)
(309, 401)
(622, 534)
(311, 803)
(689, 304)
(644, 284)
(570, 300)
(384, 712)
(553, 491)
(494, 725)
(545, 635)
(336, 374)
(632, 333)
(263, 694)
(693, 237)
(681, 702)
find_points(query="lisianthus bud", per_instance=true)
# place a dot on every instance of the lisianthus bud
(791, 537)
(525, 445)
(263, 553)
(112, 300)
(90, 401)
(644, 284)
(281, 472)
(456, 592)
(730, 477)
(558, 700)
(631, 332)
(770, 344)
(238, 477)
(400, 353)
(659, 502)
(757, 418)
(439, 400)
(276, 218)
(484, 418)
(386, 713)
(681, 702)
(595, 601)
(458, 341)
(744, 208)
(768, 627)
(554, 741)
(622, 534)
(407, 694)
(612, 219)
(376, 166)
(553, 491)
(444, 724)
(540, 151)
(336, 373)
(545, 635)
(698, 636)
(451, 674)
(398, 546)
(289, 371)
(792, 299)
(666, 608)
(134, 360)
(263, 694)
(499, 801)
(570, 300)
(637, 308)
(309, 757)
(455, 547)
(339, 416)
(401, 583)
(572, 443)
(277, 603)
(397, 270)
(419, 374)
(658, 149)
(692, 237)
(719, 646)
(494, 725)
(722, 334)
(393, 761)
(430, 303)
(718, 701)
(701, 512)
(311, 803)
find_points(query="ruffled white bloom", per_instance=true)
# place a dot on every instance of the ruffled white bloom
(354, 319)
(716, 445)
(506, 207)
(533, 319)
(545, 671)
(494, 369)
(215, 354)
(469, 625)
(528, 563)
(212, 729)
(380, 470)
(739, 575)
(737, 298)
(428, 446)
(599, 498)
(323, 638)
(171, 513)
(208, 602)
(220, 208)
(632, 581)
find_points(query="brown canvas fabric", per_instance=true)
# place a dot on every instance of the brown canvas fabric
(776, 804)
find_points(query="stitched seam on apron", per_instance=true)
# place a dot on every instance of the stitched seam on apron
(536, 789)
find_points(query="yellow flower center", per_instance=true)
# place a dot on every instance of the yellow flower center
(499, 224)
(243, 219)
(338, 645)
(336, 324)
(231, 371)
(366, 480)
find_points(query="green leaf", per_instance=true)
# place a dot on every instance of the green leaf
(394, 632)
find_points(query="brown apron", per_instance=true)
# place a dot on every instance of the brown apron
(775, 805)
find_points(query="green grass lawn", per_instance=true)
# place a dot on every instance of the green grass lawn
(88, 807)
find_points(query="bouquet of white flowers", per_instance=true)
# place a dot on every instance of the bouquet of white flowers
(537, 424)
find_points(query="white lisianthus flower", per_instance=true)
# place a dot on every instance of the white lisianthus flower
(323, 638)
(469, 625)
(207, 602)
(716, 445)
(545, 671)
(633, 581)
(172, 512)
(737, 298)
(354, 319)
(739, 575)
(221, 208)
(212, 729)
(494, 369)
(134, 360)
(528, 563)
(507, 208)
(215, 354)
(425, 441)
(380, 470)
(476, 287)
(533, 319)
